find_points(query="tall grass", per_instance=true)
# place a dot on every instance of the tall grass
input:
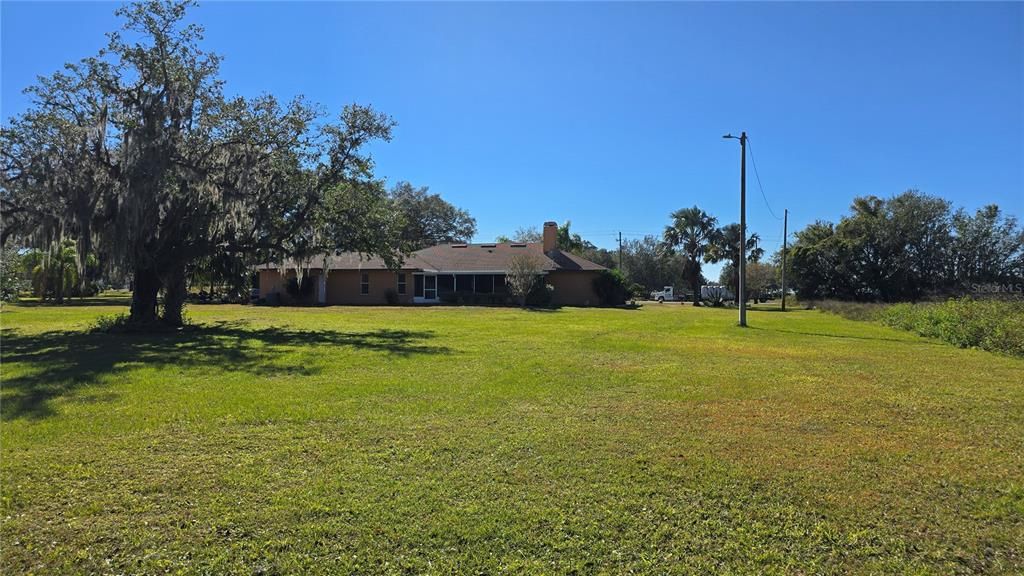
(996, 325)
(850, 310)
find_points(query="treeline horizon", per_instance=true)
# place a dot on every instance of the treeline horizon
(911, 246)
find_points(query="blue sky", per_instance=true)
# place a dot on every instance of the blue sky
(611, 115)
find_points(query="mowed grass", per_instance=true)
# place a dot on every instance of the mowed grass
(475, 440)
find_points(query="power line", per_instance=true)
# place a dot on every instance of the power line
(770, 211)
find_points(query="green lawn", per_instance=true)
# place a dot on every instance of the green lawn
(471, 440)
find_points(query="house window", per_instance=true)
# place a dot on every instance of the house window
(401, 283)
(364, 284)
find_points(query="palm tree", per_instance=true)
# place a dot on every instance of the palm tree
(55, 272)
(727, 247)
(695, 232)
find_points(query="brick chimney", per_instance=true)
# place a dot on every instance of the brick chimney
(550, 236)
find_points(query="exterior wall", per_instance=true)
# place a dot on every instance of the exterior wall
(343, 287)
(272, 282)
(572, 288)
(575, 288)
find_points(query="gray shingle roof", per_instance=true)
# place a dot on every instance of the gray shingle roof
(491, 257)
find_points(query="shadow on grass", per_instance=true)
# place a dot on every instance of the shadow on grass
(76, 301)
(60, 362)
(846, 336)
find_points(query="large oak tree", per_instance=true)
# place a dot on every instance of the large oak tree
(137, 154)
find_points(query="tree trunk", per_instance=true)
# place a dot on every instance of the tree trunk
(59, 288)
(174, 298)
(146, 287)
(695, 286)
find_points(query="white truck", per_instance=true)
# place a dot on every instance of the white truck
(664, 295)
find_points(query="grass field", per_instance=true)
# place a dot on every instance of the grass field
(472, 440)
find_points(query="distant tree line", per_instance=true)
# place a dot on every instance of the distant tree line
(909, 247)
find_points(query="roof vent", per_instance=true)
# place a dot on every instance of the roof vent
(458, 245)
(516, 245)
(488, 245)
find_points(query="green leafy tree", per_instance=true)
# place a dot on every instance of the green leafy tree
(906, 247)
(815, 262)
(576, 244)
(922, 232)
(647, 262)
(429, 219)
(138, 152)
(571, 242)
(988, 246)
(874, 263)
(694, 232)
(761, 277)
(726, 247)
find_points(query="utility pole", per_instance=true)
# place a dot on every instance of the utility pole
(620, 251)
(743, 229)
(742, 296)
(785, 234)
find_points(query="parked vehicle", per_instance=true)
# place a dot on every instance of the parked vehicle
(665, 295)
(716, 295)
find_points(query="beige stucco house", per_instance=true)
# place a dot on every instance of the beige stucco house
(442, 273)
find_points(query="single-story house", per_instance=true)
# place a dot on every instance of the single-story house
(433, 275)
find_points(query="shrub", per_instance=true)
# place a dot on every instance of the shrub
(996, 325)
(637, 291)
(541, 295)
(610, 287)
(110, 323)
(391, 297)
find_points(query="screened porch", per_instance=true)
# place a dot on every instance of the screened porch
(451, 287)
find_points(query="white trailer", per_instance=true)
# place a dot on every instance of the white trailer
(715, 294)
